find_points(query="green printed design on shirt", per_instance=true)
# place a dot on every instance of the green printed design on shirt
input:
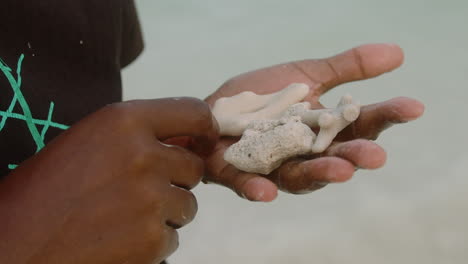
(26, 116)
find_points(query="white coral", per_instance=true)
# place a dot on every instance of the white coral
(330, 121)
(266, 144)
(235, 113)
(275, 127)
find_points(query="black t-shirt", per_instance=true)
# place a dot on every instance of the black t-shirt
(60, 60)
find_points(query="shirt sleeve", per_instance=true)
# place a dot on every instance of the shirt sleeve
(132, 37)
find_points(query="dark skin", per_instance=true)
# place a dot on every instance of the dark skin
(107, 190)
(353, 148)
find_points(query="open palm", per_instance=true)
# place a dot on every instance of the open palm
(353, 148)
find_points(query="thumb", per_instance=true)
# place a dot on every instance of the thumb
(179, 117)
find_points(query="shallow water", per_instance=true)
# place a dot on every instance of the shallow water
(414, 210)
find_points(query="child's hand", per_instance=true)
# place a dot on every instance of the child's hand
(107, 190)
(351, 149)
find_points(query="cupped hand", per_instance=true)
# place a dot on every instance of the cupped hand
(353, 147)
(107, 190)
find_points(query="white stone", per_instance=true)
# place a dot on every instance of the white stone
(265, 144)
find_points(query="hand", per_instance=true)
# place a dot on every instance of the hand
(107, 190)
(351, 149)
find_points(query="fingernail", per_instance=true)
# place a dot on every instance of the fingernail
(253, 195)
(259, 196)
(254, 190)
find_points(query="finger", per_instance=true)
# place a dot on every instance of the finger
(173, 117)
(280, 101)
(362, 153)
(376, 118)
(247, 185)
(170, 245)
(304, 176)
(184, 167)
(321, 75)
(183, 207)
(159, 243)
(363, 62)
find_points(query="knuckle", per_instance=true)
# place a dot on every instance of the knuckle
(202, 113)
(310, 75)
(335, 75)
(122, 114)
(142, 159)
(147, 196)
(359, 62)
(144, 195)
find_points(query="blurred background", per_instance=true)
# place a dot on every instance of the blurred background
(414, 210)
